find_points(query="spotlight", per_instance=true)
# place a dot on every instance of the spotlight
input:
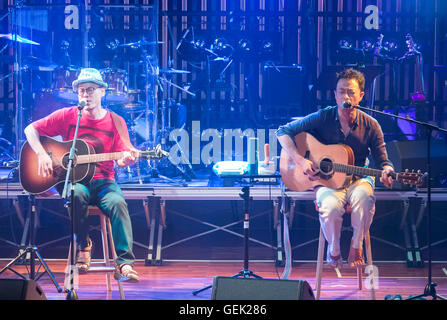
(367, 46)
(112, 45)
(266, 48)
(345, 44)
(221, 47)
(390, 46)
(245, 46)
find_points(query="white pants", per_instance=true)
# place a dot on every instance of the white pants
(360, 196)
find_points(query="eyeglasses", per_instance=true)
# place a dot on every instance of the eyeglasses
(89, 90)
(350, 92)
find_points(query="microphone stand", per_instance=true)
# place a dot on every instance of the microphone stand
(429, 289)
(69, 202)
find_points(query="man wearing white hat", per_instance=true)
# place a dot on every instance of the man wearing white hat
(97, 127)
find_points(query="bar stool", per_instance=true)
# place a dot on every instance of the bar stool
(369, 267)
(106, 265)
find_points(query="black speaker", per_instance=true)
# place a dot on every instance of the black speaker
(413, 155)
(227, 288)
(20, 289)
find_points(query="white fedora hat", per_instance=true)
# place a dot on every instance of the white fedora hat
(89, 75)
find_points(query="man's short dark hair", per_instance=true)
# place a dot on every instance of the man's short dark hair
(352, 74)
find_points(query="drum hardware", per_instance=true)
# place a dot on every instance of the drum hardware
(61, 87)
(116, 92)
(173, 71)
(139, 44)
(39, 64)
(170, 83)
(192, 47)
(64, 47)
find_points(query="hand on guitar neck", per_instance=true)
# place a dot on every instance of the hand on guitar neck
(386, 177)
(129, 158)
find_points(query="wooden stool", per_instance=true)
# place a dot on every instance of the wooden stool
(107, 265)
(322, 248)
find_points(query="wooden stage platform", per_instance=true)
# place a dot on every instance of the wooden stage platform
(184, 236)
(176, 280)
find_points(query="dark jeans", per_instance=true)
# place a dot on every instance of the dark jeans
(107, 195)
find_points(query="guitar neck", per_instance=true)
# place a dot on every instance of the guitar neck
(82, 159)
(360, 171)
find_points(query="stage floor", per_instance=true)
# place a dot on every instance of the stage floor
(176, 280)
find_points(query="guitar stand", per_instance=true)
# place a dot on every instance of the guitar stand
(33, 252)
(245, 272)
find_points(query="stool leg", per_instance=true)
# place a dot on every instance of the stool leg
(112, 247)
(370, 265)
(319, 271)
(360, 277)
(105, 249)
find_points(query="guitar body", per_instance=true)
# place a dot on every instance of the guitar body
(310, 148)
(59, 152)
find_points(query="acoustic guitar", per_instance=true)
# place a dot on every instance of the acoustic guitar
(335, 166)
(59, 152)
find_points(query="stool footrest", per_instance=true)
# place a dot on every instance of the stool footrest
(101, 269)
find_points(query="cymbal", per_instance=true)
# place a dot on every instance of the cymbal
(172, 70)
(140, 43)
(18, 38)
(39, 64)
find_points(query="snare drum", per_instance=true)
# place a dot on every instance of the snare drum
(61, 88)
(116, 80)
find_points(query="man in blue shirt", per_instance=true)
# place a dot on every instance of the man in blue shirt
(361, 132)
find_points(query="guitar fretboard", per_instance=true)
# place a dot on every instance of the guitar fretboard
(360, 171)
(99, 157)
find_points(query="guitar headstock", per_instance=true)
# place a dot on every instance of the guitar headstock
(156, 153)
(412, 178)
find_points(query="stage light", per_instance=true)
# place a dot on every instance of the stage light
(221, 47)
(390, 46)
(245, 46)
(367, 46)
(112, 45)
(266, 49)
(345, 44)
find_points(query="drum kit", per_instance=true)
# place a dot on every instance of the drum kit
(133, 87)
(129, 91)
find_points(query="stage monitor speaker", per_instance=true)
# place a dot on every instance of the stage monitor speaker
(20, 289)
(413, 155)
(228, 288)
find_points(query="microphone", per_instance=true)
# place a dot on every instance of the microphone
(347, 105)
(82, 104)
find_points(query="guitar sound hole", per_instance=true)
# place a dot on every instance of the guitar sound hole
(65, 161)
(326, 167)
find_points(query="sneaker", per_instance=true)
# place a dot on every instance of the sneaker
(125, 272)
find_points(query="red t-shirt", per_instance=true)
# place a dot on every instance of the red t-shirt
(101, 134)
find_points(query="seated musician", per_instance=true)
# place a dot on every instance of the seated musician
(98, 129)
(342, 124)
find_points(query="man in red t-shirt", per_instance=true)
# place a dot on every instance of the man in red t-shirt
(97, 128)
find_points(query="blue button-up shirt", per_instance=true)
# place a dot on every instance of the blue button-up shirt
(365, 137)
